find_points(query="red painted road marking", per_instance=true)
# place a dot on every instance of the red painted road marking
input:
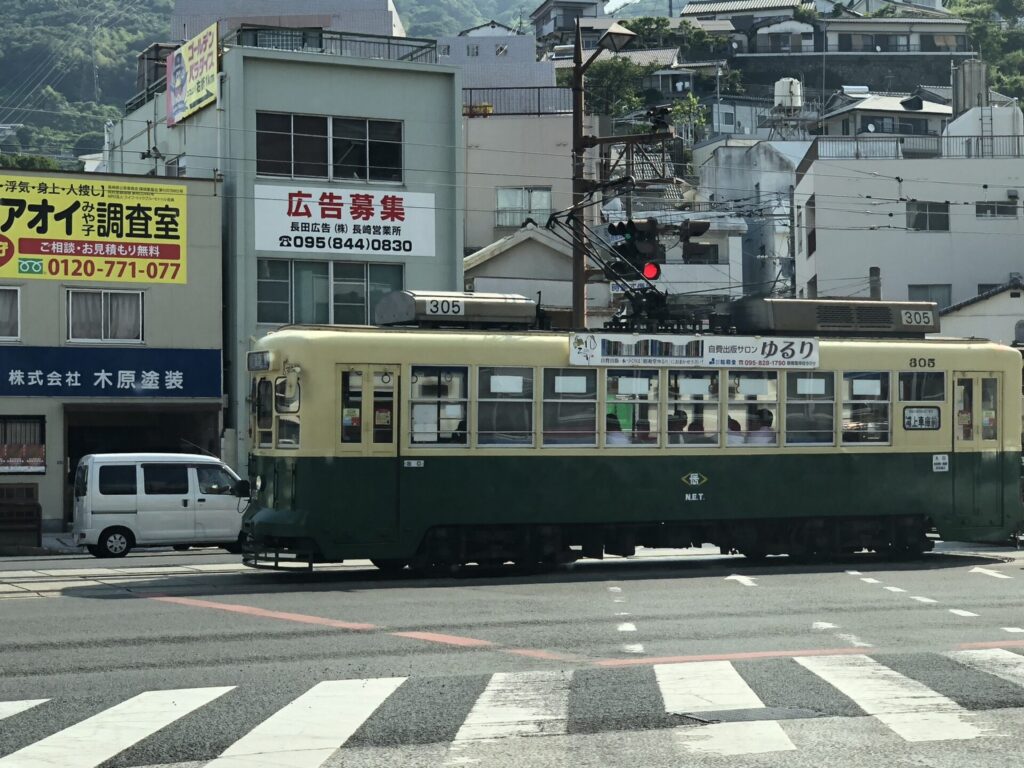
(996, 644)
(740, 656)
(436, 637)
(249, 610)
(531, 653)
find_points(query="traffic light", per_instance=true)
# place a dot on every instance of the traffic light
(693, 228)
(639, 252)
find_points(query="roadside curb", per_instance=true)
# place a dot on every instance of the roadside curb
(23, 551)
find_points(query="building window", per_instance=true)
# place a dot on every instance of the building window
(440, 402)
(516, 204)
(10, 314)
(104, 315)
(940, 293)
(702, 253)
(312, 146)
(927, 216)
(996, 210)
(22, 444)
(444, 50)
(866, 407)
(810, 408)
(505, 406)
(1018, 332)
(501, 49)
(753, 408)
(473, 50)
(369, 150)
(322, 292)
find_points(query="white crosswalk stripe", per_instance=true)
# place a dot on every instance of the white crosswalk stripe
(315, 729)
(716, 686)
(309, 730)
(911, 709)
(11, 708)
(100, 737)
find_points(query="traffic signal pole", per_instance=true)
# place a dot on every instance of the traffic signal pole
(579, 190)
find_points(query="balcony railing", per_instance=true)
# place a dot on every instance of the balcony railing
(879, 48)
(538, 100)
(897, 147)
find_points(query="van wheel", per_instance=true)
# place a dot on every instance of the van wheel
(390, 564)
(95, 551)
(236, 548)
(181, 547)
(116, 542)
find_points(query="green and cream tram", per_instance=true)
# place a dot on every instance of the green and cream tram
(444, 446)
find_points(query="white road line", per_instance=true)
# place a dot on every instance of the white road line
(923, 599)
(306, 732)
(911, 709)
(619, 600)
(623, 613)
(854, 573)
(633, 648)
(704, 686)
(894, 589)
(746, 581)
(100, 737)
(735, 738)
(614, 589)
(627, 627)
(990, 572)
(1014, 630)
(961, 612)
(869, 580)
(853, 640)
(519, 704)
(994, 661)
(11, 708)
(824, 625)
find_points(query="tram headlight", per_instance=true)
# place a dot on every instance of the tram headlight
(259, 482)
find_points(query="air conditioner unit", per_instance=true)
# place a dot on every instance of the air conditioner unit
(1011, 194)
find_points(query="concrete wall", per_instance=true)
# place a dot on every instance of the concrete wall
(517, 67)
(376, 17)
(994, 318)
(860, 223)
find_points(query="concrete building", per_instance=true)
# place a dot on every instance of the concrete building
(996, 313)
(756, 182)
(938, 225)
(110, 324)
(342, 178)
(370, 17)
(493, 55)
(854, 111)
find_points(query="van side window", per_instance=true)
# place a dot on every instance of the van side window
(118, 480)
(215, 480)
(165, 478)
(81, 481)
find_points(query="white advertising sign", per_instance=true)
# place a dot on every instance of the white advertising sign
(627, 349)
(363, 222)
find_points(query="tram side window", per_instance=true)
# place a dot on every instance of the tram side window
(352, 407)
(810, 408)
(753, 408)
(286, 405)
(263, 405)
(631, 408)
(440, 396)
(505, 406)
(919, 387)
(693, 407)
(989, 409)
(570, 406)
(866, 407)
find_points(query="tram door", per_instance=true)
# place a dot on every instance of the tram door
(369, 446)
(977, 465)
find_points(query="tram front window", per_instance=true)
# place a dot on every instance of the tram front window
(263, 405)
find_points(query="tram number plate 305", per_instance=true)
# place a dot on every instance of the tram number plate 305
(917, 317)
(445, 307)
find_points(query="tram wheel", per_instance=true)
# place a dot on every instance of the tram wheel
(755, 555)
(389, 564)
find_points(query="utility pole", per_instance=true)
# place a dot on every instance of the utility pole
(579, 258)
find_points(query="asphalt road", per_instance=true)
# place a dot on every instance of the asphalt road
(187, 659)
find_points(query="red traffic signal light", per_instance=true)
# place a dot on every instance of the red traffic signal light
(651, 271)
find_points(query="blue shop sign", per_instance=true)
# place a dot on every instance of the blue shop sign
(109, 372)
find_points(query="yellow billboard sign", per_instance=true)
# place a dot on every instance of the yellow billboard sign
(192, 76)
(100, 230)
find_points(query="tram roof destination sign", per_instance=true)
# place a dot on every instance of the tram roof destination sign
(96, 230)
(634, 349)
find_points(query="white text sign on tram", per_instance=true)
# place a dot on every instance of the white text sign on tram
(628, 349)
(368, 222)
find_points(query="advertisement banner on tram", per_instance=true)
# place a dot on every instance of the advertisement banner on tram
(98, 230)
(627, 349)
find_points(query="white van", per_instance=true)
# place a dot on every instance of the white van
(123, 500)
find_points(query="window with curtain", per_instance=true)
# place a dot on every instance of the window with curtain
(9, 313)
(105, 315)
(924, 216)
(23, 442)
(516, 204)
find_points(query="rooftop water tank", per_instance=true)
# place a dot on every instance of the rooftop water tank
(789, 93)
